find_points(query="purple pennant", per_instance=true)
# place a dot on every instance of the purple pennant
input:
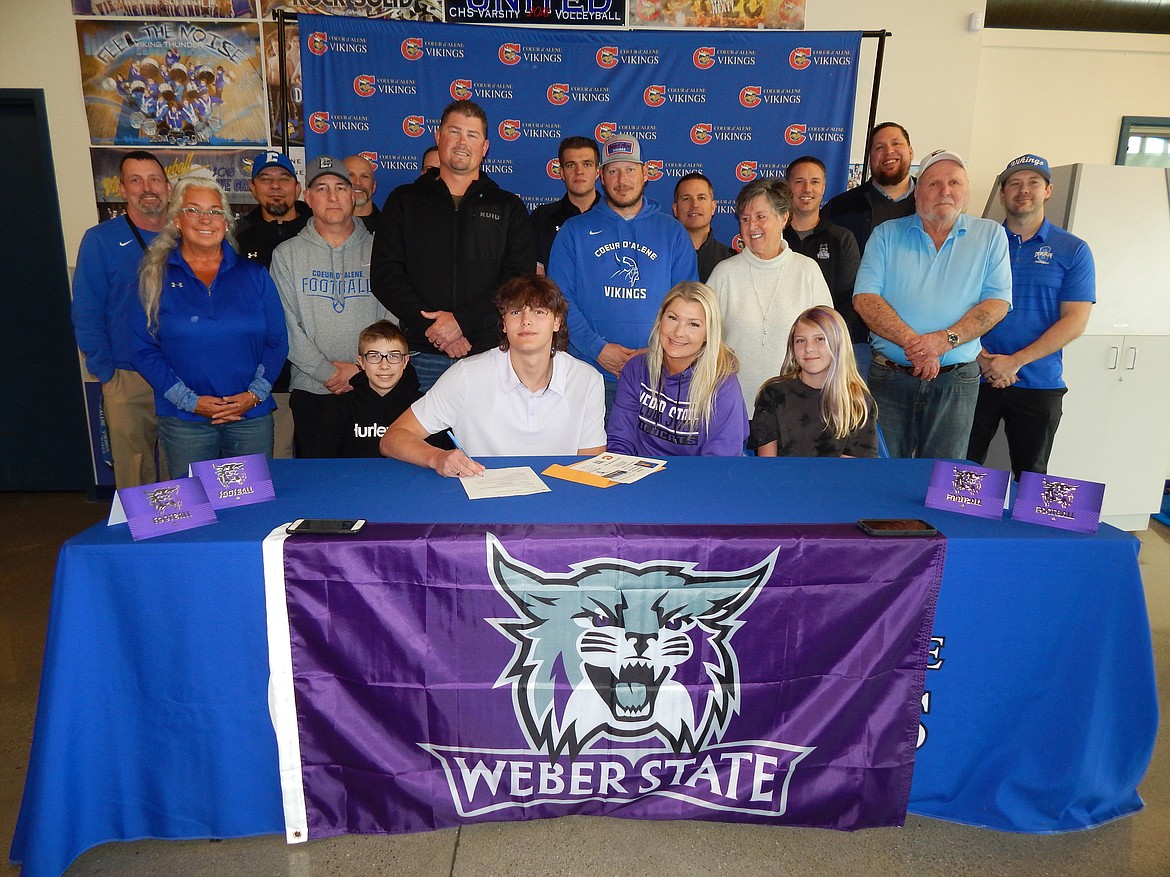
(448, 674)
(1053, 501)
(967, 489)
(235, 481)
(167, 507)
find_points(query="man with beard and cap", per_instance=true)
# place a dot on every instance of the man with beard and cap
(929, 286)
(1053, 290)
(279, 215)
(616, 263)
(361, 177)
(105, 287)
(886, 194)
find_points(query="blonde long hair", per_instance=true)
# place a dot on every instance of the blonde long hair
(845, 399)
(154, 262)
(715, 362)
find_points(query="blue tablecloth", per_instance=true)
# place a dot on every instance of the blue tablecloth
(1040, 715)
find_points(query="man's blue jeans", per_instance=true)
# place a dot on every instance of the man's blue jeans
(429, 367)
(926, 418)
(188, 441)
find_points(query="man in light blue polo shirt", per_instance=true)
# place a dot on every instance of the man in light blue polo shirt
(1053, 290)
(929, 286)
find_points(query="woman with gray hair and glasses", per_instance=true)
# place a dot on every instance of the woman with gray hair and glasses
(210, 333)
(766, 286)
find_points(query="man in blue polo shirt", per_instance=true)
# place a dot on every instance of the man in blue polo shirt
(1053, 290)
(929, 286)
(105, 285)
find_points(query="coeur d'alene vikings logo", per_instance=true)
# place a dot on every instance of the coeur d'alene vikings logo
(412, 48)
(614, 635)
(363, 85)
(317, 42)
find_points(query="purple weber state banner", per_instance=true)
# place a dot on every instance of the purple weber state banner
(425, 676)
(734, 105)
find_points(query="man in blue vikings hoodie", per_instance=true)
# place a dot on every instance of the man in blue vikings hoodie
(616, 263)
(323, 276)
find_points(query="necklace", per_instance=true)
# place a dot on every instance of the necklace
(765, 310)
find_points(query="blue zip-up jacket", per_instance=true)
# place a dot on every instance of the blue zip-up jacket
(212, 342)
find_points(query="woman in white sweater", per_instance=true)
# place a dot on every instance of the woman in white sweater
(764, 288)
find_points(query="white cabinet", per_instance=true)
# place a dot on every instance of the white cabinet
(1116, 425)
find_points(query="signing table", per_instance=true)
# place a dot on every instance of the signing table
(1039, 713)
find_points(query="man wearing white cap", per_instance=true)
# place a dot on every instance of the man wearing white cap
(929, 286)
(1053, 290)
(616, 263)
(323, 276)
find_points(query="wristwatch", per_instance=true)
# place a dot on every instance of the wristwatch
(953, 339)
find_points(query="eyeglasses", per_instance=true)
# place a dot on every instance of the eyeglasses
(394, 357)
(194, 213)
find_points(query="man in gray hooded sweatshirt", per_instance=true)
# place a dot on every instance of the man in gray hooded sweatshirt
(323, 275)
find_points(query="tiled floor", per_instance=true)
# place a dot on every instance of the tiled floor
(34, 525)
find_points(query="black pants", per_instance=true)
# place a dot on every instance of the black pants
(315, 419)
(1030, 419)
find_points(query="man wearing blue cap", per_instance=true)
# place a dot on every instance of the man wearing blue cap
(616, 263)
(279, 214)
(1053, 290)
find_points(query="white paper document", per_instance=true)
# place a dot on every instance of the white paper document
(512, 481)
(620, 467)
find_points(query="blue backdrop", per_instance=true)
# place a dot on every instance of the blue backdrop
(734, 105)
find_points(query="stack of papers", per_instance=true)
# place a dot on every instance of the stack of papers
(606, 470)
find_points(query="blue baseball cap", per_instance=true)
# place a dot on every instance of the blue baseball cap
(272, 158)
(1027, 162)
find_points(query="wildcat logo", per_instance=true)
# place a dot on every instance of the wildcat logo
(967, 481)
(800, 58)
(1057, 493)
(618, 631)
(607, 57)
(704, 57)
(558, 94)
(653, 170)
(509, 54)
(510, 129)
(749, 96)
(164, 498)
(553, 168)
(461, 89)
(701, 133)
(654, 95)
(745, 171)
(317, 42)
(794, 134)
(230, 473)
(413, 126)
(412, 48)
(623, 681)
(363, 85)
(604, 131)
(319, 122)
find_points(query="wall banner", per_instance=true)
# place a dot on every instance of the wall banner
(734, 105)
(167, 8)
(582, 13)
(172, 83)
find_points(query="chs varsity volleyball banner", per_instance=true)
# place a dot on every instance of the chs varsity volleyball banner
(425, 676)
(733, 105)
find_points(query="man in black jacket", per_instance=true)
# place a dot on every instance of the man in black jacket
(887, 193)
(445, 243)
